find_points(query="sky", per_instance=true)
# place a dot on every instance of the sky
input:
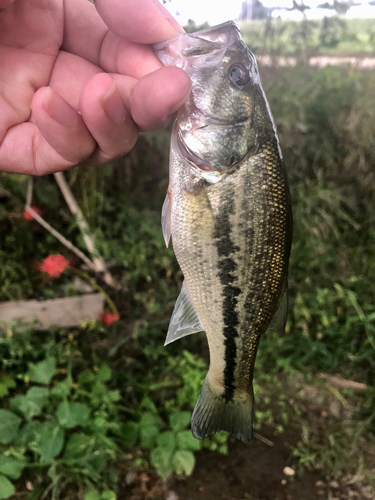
(219, 11)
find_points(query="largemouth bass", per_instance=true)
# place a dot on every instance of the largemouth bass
(229, 214)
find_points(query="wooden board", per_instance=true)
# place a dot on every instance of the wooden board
(67, 311)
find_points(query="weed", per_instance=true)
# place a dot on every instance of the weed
(55, 419)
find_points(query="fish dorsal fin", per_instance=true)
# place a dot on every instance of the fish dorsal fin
(184, 320)
(279, 318)
(166, 218)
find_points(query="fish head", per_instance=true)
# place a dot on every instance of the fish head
(218, 126)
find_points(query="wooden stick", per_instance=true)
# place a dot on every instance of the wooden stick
(61, 238)
(88, 238)
(91, 265)
(29, 192)
(342, 383)
(263, 439)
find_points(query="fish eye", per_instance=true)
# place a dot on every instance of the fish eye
(238, 74)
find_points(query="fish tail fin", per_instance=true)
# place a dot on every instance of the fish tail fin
(213, 413)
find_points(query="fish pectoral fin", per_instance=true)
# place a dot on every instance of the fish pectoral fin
(279, 318)
(166, 213)
(184, 320)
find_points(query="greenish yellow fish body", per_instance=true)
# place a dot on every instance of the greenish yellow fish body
(229, 214)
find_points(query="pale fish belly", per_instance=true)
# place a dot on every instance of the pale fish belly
(192, 227)
(231, 240)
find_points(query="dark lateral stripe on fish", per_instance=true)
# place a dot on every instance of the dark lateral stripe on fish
(225, 248)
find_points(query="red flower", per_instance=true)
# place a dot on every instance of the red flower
(53, 265)
(27, 215)
(108, 318)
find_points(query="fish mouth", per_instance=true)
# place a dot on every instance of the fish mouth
(222, 123)
(200, 120)
(212, 41)
(223, 34)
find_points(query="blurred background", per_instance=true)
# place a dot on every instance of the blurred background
(101, 410)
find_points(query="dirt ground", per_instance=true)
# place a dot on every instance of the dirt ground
(249, 472)
(253, 471)
(258, 471)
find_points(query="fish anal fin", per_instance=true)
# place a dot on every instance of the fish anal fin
(214, 413)
(166, 213)
(279, 318)
(184, 320)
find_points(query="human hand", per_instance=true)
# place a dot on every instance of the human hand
(77, 82)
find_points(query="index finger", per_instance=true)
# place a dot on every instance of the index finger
(141, 21)
(114, 36)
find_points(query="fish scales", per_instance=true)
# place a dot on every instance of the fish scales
(251, 225)
(230, 220)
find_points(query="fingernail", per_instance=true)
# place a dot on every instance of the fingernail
(58, 109)
(168, 16)
(113, 106)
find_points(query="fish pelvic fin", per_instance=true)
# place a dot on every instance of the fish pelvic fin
(214, 413)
